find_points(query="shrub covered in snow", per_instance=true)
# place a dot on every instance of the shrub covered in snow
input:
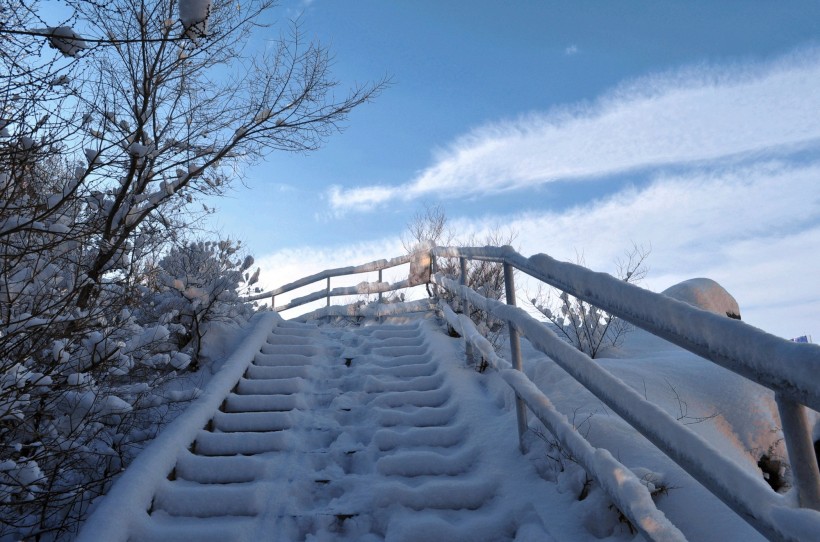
(198, 283)
(583, 325)
(429, 228)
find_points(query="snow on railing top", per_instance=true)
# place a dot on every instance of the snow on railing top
(365, 288)
(786, 367)
(329, 273)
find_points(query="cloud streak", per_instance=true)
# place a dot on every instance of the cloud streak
(690, 116)
(754, 228)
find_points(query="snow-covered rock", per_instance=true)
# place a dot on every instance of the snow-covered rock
(705, 294)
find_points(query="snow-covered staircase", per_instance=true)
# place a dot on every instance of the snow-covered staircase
(377, 431)
(241, 462)
(403, 455)
(355, 433)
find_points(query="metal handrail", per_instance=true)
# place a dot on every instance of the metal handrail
(790, 369)
(621, 484)
(327, 274)
(709, 335)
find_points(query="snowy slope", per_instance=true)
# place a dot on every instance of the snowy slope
(736, 416)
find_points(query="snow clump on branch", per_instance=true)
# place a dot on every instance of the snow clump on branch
(65, 40)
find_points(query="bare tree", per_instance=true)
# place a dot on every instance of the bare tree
(427, 227)
(430, 227)
(167, 128)
(585, 326)
(107, 139)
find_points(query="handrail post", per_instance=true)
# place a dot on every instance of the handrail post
(465, 306)
(273, 302)
(380, 281)
(328, 291)
(515, 354)
(805, 472)
(433, 271)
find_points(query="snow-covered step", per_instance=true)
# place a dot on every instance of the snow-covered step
(443, 437)
(277, 371)
(397, 353)
(387, 362)
(427, 463)
(290, 327)
(412, 398)
(263, 403)
(245, 443)
(162, 527)
(447, 494)
(373, 384)
(274, 386)
(190, 499)
(443, 526)
(410, 340)
(420, 417)
(228, 422)
(292, 340)
(218, 469)
(394, 331)
(408, 370)
(282, 360)
(296, 349)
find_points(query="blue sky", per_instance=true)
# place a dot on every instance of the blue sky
(584, 126)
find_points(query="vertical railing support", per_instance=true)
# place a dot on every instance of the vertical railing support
(328, 291)
(273, 302)
(432, 286)
(465, 306)
(380, 281)
(805, 472)
(515, 354)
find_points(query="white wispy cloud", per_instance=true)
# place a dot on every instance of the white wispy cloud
(690, 116)
(755, 229)
(571, 50)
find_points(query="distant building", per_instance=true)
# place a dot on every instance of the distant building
(802, 339)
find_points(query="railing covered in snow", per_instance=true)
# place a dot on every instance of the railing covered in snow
(326, 293)
(791, 370)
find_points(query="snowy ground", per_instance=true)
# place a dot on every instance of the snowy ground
(736, 416)
(383, 432)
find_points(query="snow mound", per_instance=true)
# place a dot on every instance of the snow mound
(705, 294)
